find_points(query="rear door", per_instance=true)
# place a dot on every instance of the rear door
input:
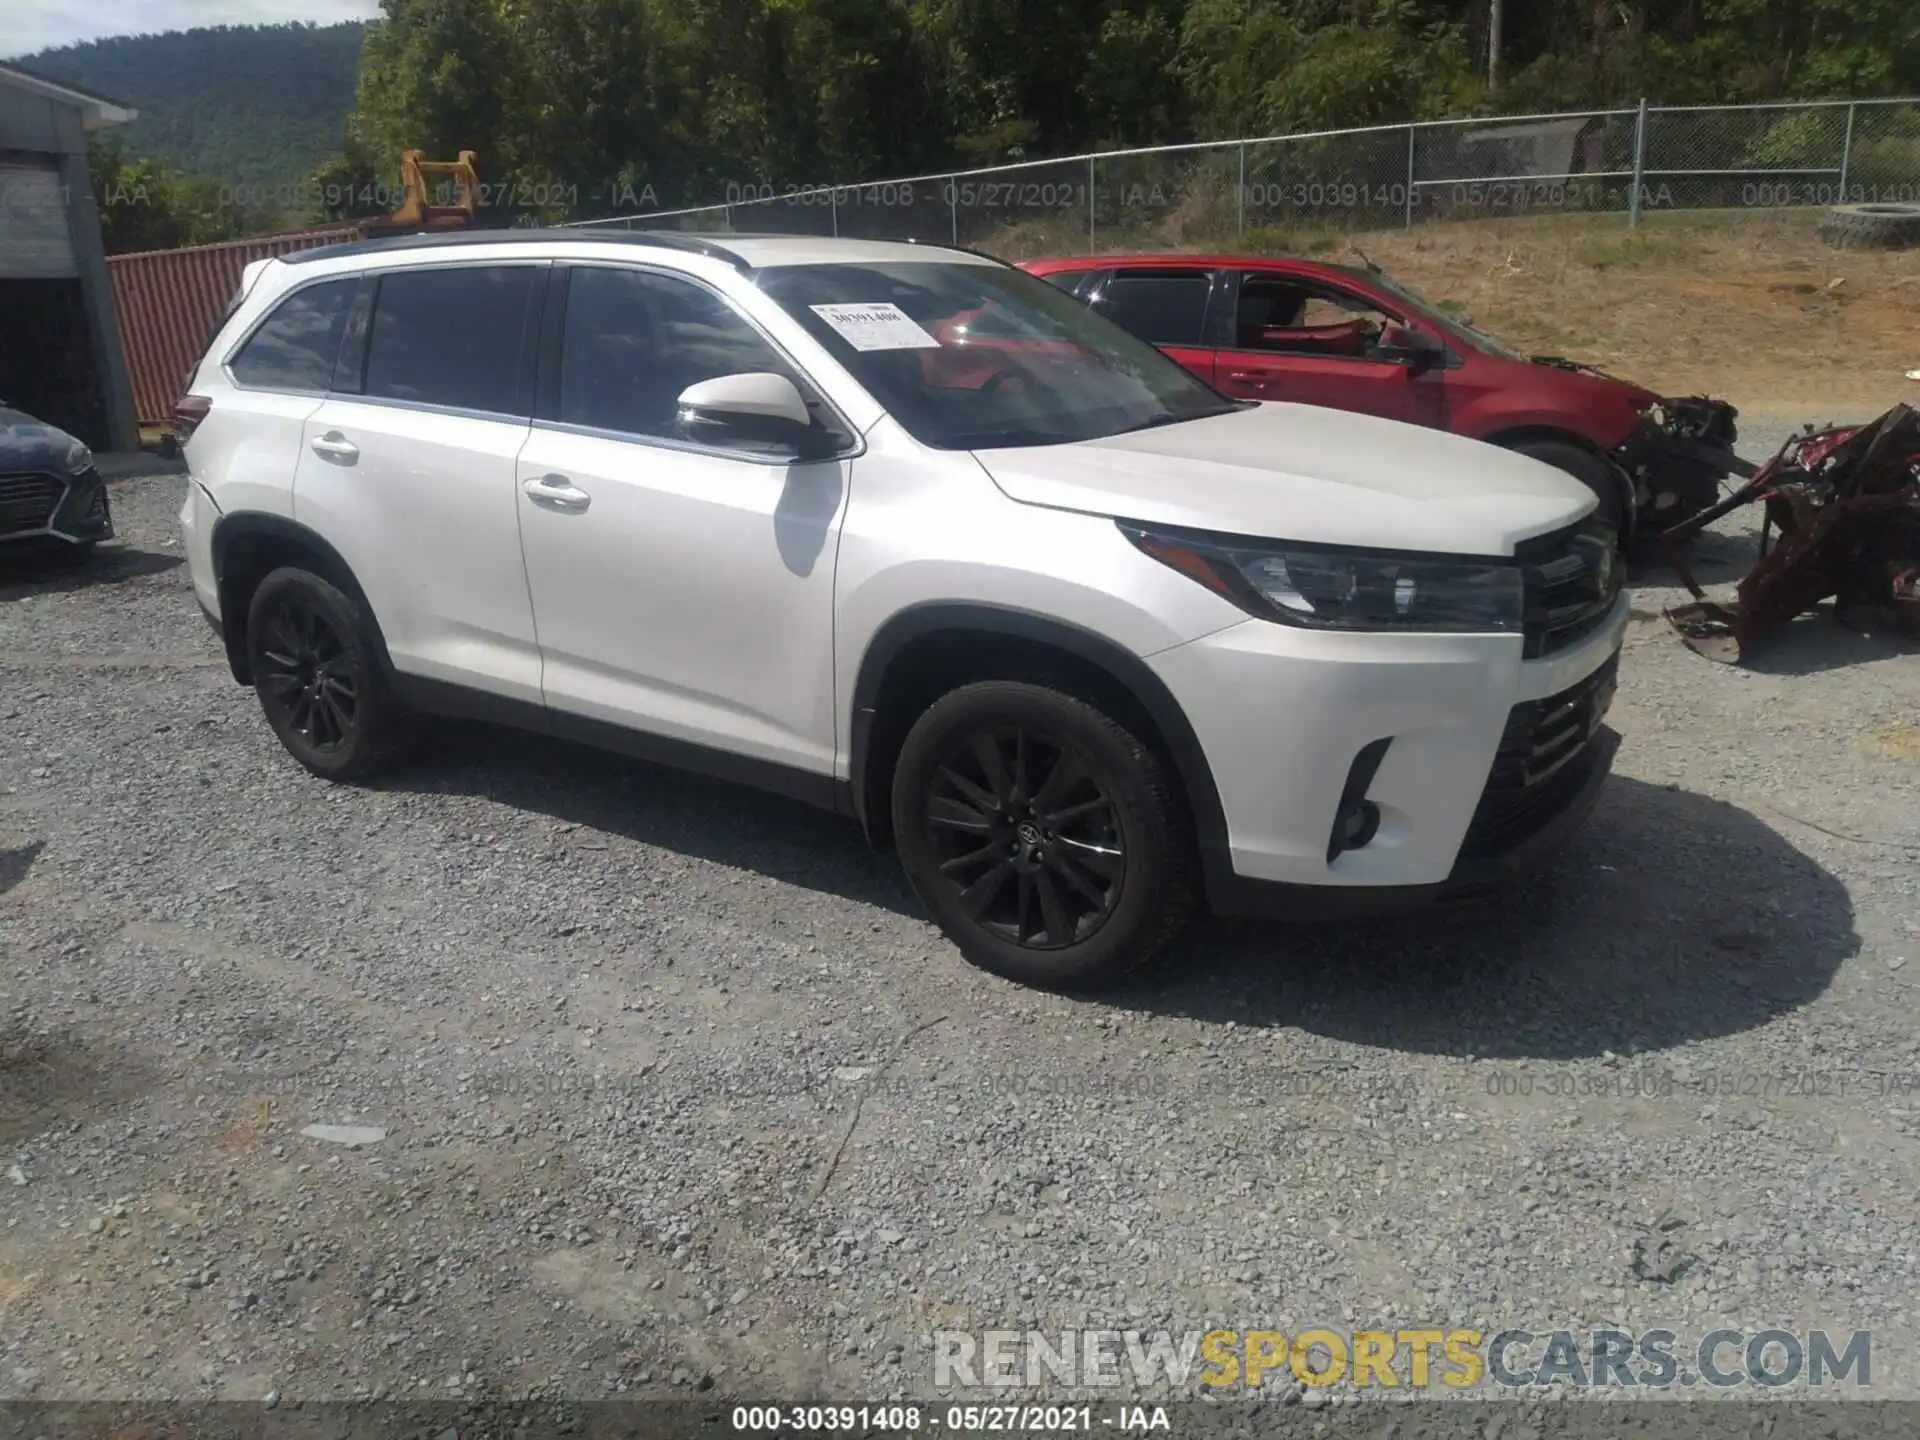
(1172, 306)
(408, 468)
(1312, 342)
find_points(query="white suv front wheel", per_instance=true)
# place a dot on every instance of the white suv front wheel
(1047, 838)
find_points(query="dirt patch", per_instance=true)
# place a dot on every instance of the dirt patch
(1902, 742)
(49, 1080)
(1756, 307)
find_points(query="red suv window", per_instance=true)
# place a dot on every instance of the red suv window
(1165, 307)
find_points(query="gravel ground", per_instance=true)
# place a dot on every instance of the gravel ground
(681, 1092)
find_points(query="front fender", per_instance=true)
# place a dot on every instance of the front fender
(1117, 664)
(1602, 434)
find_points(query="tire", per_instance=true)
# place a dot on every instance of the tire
(1079, 902)
(1871, 227)
(1591, 471)
(315, 662)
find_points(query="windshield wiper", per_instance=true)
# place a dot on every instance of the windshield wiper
(1005, 439)
(1157, 421)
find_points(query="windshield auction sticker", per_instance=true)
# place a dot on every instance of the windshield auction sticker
(881, 326)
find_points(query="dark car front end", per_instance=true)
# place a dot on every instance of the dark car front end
(1678, 456)
(51, 493)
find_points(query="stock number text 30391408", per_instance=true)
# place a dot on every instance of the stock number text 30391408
(950, 1419)
(885, 196)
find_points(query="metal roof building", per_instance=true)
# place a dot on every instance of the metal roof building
(60, 351)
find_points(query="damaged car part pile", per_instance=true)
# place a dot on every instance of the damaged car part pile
(1846, 504)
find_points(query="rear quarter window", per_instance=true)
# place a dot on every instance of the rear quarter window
(294, 348)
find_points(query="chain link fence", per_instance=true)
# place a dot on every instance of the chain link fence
(1626, 163)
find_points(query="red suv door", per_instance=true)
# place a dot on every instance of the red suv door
(1165, 304)
(1312, 342)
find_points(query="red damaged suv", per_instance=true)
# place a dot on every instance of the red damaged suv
(1353, 339)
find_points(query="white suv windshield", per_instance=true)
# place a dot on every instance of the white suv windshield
(977, 357)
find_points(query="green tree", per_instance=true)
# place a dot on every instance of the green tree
(577, 107)
(146, 204)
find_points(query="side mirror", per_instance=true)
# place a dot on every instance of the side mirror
(1415, 349)
(758, 408)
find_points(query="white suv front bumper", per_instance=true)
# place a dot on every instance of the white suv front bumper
(1281, 713)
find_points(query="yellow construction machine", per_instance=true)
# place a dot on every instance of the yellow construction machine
(451, 205)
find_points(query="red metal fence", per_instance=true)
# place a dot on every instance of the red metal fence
(171, 300)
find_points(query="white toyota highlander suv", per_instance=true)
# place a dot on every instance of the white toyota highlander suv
(908, 533)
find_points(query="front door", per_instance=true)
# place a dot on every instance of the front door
(1312, 343)
(681, 589)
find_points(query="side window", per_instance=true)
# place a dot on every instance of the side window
(296, 347)
(450, 337)
(1166, 307)
(1299, 318)
(634, 339)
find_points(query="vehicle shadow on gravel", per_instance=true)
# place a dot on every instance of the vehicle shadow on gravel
(14, 864)
(24, 575)
(1673, 918)
(1712, 559)
(1817, 641)
(689, 814)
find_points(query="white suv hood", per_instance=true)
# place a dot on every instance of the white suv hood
(1299, 472)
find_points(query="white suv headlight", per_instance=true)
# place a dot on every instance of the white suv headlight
(79, 458)
(1329, 588)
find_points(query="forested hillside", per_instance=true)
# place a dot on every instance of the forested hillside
(582, 97)
(244, 105)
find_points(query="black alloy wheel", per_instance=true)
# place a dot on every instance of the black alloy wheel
(308, 675)
(314, 654)
(1028, 837)
(1050, 842)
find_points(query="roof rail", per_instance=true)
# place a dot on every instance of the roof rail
(456, 239)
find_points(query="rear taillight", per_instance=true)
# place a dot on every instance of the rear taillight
(188, 412)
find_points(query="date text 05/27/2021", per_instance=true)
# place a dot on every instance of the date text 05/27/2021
(954, 1419)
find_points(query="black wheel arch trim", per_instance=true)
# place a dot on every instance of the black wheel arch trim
(238, 527)
(1125, 668)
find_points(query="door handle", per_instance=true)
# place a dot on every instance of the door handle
(335, 446)
(556, 492)
(1250, 377)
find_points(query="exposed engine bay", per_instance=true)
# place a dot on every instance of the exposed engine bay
(1679, 456)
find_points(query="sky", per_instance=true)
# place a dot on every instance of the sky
(27, 26)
